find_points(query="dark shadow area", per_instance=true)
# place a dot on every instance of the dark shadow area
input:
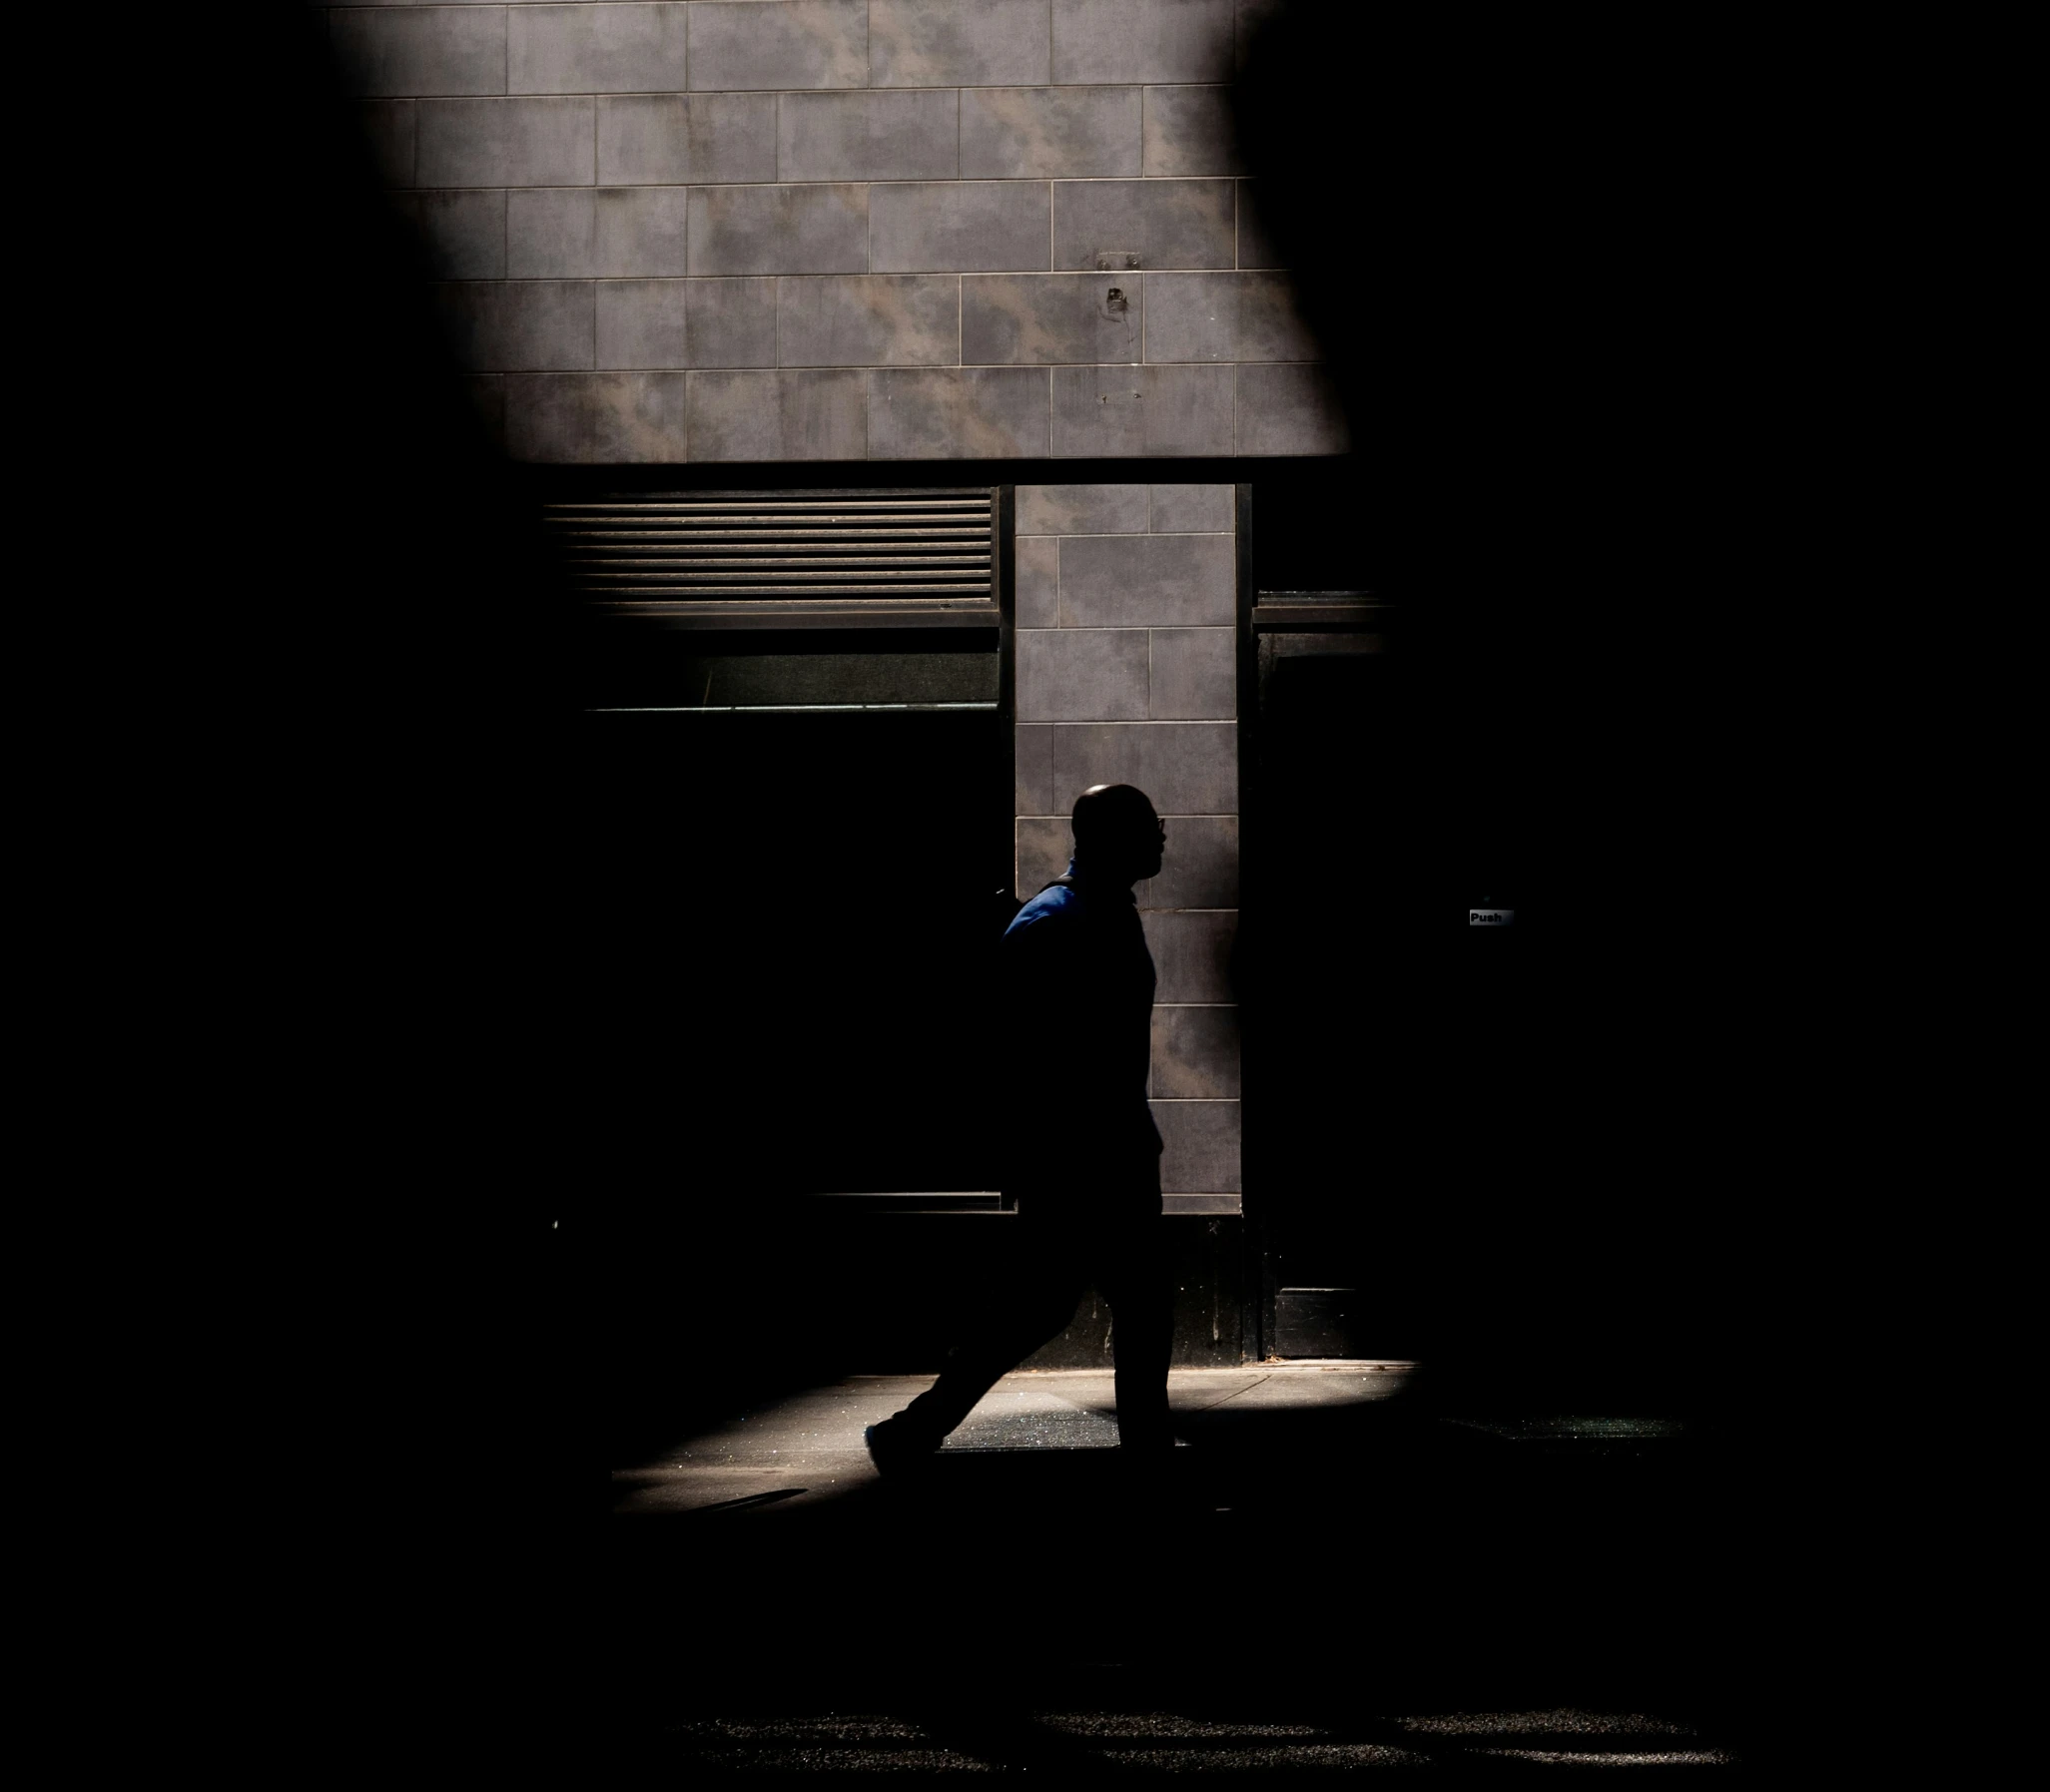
(371, 821)
(782, 920)
(363, 801)
(747, 1501)
(1526, 1157)
(817, 1289)
(785, 916)
(1346, 1576)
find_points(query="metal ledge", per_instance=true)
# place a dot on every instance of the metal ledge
(796, 616)
(1297, 612)
(1170, 1205)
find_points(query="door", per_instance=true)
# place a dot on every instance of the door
(1341, 1022)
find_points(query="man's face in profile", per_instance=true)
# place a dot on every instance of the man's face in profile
(1150, 846)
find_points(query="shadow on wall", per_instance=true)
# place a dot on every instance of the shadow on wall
(379, 729)
(387, 570)
(1518, 258)
(1470, 214)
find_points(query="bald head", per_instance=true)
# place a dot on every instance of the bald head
(1117, 832)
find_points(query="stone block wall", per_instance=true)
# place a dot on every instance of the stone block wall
(677, 231)
(1127, 673)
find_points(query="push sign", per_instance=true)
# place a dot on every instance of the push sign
(1489, 918)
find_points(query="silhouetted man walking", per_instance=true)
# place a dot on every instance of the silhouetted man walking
(1085, 1155)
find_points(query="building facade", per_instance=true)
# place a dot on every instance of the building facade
(685, 248)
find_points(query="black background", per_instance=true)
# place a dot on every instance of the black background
(1590, 1105)
(1527, 393)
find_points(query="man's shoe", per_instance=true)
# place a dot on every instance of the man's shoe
(895, 1448)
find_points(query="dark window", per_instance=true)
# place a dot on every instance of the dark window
(794, 795)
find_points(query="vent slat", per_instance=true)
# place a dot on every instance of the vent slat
(977, 543)
(976, 501)
(824, 580)
(735, 519)
(597, 559)
(708, 593)
(737, 537)
(830, 553)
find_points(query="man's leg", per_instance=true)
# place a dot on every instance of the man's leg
(1046, 1289)
(1136, 1284)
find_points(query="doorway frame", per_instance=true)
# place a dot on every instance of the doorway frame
(1360, 615)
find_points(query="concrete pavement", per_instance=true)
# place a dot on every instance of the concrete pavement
(805, 1450)
(1333, 1578)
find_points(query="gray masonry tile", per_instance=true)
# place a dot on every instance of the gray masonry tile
(1081, 675)
(595, 49)
(652, 139)
(1042, 848)
(557, 232)
(1118, 411)
(420, 50)
(958, 413)
(960, 225)
(1226, 317)
(1166, 224)
(902, 136)
(1033, 770)
(390, 127)
(595, 418)
(768, 44)
(1255, 248)
(1037, 582)
(1252, 15)
(802, 414)
(1186, 767)
(1193, 510)
(1082, 510)
(517, 325)
(1289, 410)
(552, 233)
(505, 143)
(1142, 40)
(1034, 318)
(958, 43)
(1149, 581)
(1191, 953)
(1015, 133)
(1195, 1054)
(1200, 868)
(463, 234)
(870, 321)
(640, 230)
(487, 404)
(779, 229)
(1189, 131)
(730, 323)
(641, 324)
(1193, 674)
(1200, 1141)
(1270, 320)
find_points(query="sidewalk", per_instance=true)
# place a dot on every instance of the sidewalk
(806, 1452)
(1330, 1580)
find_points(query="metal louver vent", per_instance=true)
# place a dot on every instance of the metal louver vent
(906, 554)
